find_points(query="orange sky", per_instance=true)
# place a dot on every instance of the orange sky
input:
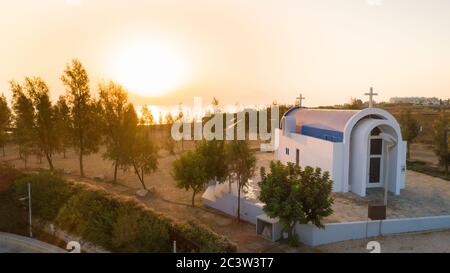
(246, 51)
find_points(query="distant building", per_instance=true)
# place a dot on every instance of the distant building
(417, 100)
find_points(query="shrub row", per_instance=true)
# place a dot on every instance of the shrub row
(423, 167)
(116, 223)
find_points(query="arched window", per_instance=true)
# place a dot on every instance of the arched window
(375, 132)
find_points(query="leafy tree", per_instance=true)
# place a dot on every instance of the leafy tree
(169, 143)
(242, 163)
(440, 136)
(5, 121)
(119, 122)
(214, 152)
(147, 118)
(410, 128)
(180, 117)
(316, 196)
(44, 118)
(63, 121)
(355, 104)
(142, 157)
(84, 120)
(295, 195)
(23, 133)
(190, 172)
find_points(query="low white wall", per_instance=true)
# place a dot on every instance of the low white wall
(227, 203)
(336, 232)
(333, 232)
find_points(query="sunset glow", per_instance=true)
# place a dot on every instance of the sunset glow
(149, 68)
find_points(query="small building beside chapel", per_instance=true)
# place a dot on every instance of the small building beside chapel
(361, 149)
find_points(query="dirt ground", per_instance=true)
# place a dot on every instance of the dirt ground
(166, 198)
(424, 152)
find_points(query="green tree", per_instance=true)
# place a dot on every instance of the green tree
(147, 118)
(5, 121)
(23, 133)
(242, 164)
(84, 120)
(63, 122)
(410, 128)
(440, 136)
(44, 118)
(142, 157)
(190, 172)
(355, 104)
(169, 143)
(180, 117)
(295, 195)
(214, 152)
(119, 122)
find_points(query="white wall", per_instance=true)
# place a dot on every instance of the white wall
(314, 152)
(336, 232)
(227, 203)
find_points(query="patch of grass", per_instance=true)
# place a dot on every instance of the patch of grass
(422, 167)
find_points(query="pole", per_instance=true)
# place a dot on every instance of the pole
(386, 177)
(29, 210)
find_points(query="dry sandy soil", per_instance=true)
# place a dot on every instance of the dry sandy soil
(423, 196)
(424, 152)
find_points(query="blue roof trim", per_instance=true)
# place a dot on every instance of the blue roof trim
(329, 135)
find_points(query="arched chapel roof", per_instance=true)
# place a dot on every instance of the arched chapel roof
(328, 119)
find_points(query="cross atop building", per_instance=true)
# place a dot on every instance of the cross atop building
(300, 100)
(371, 94)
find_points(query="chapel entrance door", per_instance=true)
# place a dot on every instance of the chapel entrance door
(376, 162)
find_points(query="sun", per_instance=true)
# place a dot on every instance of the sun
(149, 68)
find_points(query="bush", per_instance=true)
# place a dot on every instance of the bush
(7, 176)
(139, 230)
(13, 215)
(49, 192)
(90, 214)
(205, 239)
(115, 223)
(423, 167)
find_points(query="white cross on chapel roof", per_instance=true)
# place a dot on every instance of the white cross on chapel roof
(300, 100)
(371, 94)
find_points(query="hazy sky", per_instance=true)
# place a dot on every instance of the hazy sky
(246, 51)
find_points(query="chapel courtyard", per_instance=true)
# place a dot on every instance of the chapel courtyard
(423, 195)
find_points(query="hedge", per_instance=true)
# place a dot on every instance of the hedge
(13, 216)
(423, 167)
(116, 223)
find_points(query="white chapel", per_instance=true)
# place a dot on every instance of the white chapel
(360, 149)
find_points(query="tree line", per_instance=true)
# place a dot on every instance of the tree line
(77, 120)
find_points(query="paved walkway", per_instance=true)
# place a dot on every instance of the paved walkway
(12, 243)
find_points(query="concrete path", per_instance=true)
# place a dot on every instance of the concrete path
(12, 243)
